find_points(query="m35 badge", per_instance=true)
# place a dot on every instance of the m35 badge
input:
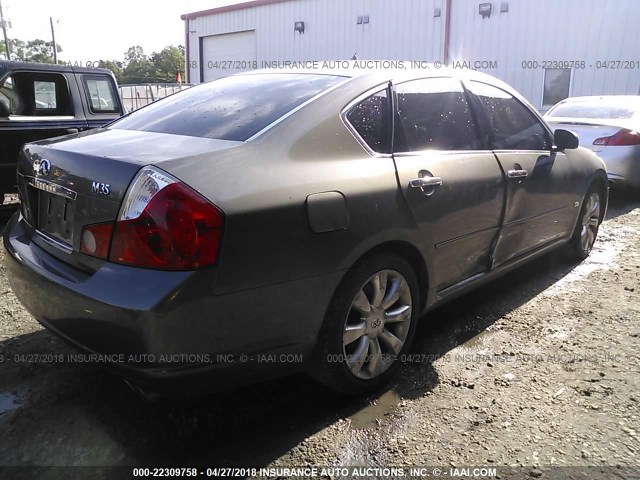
(100, 188)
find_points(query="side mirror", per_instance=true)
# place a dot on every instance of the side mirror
(5, 109)
(564, 139)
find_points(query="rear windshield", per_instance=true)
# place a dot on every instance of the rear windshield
(231, 108)
(592, 110)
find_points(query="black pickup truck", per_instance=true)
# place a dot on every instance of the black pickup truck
(40, 101)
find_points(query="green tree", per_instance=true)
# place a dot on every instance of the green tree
(115, 66)
(137, 66)
(41, 51)
(17, 49)
(167, 63)
(37, 50)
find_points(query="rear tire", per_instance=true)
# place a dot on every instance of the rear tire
(369, 326)
(586, 229)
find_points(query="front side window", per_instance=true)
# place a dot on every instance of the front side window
(101, 95)
(231, 108)
(370, 118)
(434, 114)
(513, 125)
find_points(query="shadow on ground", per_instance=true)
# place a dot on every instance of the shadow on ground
(74, 414)
(78, 414)
(622, 201)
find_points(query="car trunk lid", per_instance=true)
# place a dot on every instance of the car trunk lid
(66, 184)
(588, 130)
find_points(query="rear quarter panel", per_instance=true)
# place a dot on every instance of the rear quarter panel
(263, 190)
(588, 169)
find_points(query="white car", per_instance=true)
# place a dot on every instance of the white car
(608, 125)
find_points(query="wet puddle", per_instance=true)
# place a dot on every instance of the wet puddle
(603, 257)
(369, 417)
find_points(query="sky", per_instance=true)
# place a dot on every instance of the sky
(93, 30)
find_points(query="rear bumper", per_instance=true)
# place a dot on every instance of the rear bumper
(164, 330)
(623, 164)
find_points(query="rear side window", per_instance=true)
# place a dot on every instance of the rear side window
(231, 108)
(434, 114)
(370, 118)
(513, 125)
(35, 94)
(45, 95)
(594, 109)
(101, 95)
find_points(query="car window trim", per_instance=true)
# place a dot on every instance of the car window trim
(422, 153)
(40, 118)
(482, 123)
(386, 86)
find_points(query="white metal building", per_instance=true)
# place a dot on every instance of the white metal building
(546, 49)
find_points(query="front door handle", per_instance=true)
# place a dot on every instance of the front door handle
(517, 173)
(425, 182)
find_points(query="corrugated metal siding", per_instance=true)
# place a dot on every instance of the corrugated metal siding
(551, 30)
(398, 29)
(536, 30)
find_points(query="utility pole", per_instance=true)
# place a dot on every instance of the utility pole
(4, 32)
(55, 47)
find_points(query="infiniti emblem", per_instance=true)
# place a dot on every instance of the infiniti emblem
(42, 167)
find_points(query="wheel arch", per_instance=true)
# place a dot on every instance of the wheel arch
(600, 180)
(411, 255)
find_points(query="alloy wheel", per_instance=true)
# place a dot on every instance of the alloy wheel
(377, 324)
(590, 222)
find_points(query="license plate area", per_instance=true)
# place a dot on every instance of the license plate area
(55, 216)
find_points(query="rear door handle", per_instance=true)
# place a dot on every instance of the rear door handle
(425, 182)
(517, 173)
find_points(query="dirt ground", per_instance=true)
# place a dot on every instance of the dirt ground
(539, 369)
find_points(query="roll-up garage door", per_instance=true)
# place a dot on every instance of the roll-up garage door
(226, 54)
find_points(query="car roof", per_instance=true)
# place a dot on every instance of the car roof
(363, 68)
(629, 101)
(359, 69)
(47, 67)
(604, 98)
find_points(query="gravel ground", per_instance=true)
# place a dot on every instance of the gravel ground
(538, 369)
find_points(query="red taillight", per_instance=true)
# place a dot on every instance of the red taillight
(163, 224)
(622, 138)
(96, 239)
(177, 230)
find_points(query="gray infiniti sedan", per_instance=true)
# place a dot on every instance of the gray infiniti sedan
(274, 222)
(608, 125)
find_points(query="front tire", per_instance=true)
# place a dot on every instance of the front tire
(369, 326)
(586, 229)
